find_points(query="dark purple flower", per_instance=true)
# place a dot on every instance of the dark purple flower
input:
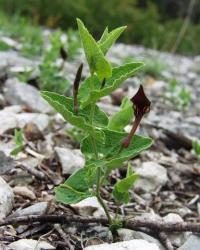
(141, 103)
(76, 87)
(141, 106)
(63, 53)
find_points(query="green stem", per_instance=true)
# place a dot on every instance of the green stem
(94, 147)
(98, 195)
(98, 184)
(92, 113)
(92, 138)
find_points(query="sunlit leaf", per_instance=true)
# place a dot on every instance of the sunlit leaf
(119, 75)
(123, 117)
(19, 143)
(108, 39)
(104, 36)
(95, 58)
(64, 106)
(121, 188)
(73, 190)
(110, 149)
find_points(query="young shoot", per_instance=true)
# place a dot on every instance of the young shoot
(106, 146)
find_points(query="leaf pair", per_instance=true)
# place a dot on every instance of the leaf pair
(95, 51)
(91, 91)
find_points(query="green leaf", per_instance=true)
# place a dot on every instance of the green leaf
(137, 145)
(95, 58)
(100, 119)
(18, 137)
(90, 84)
(17, 150)
(121, 188)
(119, 75)
(111, 155)
(196, 147)
(109, 39)
(19, 143)
(104, 36)
(125, 184)
(64, 106)
(122, 118)
(121, 197)
(75, 188)
(129, 170)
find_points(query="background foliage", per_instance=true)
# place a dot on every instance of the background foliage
(154, 24)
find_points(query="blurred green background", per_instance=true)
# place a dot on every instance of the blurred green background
(153, 23)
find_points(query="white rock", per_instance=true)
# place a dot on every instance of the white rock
(152, 175)
(172, 218)
(2, 100)
(149, 216)
(11, 58)
(25, 244)
(25, 94)
(125, 245)
(20, 69)
(10, 42)
(30, 162)
(36, 209)
(6, 162)
(25, 192)
(40, 120)
(89, 207)
(14, 109)
(10, 119)
(6, 198)
(4, 247)
(70, 159)
(127, 234)
(176, 238)
(192, 243)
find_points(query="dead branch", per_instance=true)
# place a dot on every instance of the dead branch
(158, 226)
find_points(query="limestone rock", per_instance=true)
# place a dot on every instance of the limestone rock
(25, 94)
(152, 175)
(89, 207)
(70, 159)
(25, 192)
(6, 198)
(127, 234)
(26, 244)
(125, 245)
(177, 238)
(35, 209)
(192, 243)
(11, 119)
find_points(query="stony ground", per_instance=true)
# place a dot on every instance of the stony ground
(169, 172)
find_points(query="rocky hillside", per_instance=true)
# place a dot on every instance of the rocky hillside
(168, 187)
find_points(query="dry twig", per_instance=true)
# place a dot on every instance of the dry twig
(158, 226)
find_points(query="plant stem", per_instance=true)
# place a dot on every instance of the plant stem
(92, 138)
(99, 196)
(98, 184)
(94, 147)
